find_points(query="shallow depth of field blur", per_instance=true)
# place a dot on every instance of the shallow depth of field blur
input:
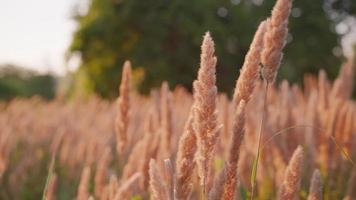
(59, 90)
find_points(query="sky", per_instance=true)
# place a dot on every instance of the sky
(36, 33)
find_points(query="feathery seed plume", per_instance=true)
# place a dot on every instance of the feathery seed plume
(101, 172)
(250, 70)
(217, 190)
(343, 85)
(275, 39)
(150, 148)
(291, 184)
(234, 153)
(122, 119)
(185, 160)
(135, 159)
(166, 120)
(156, 183)
(168, 178)
(316, 190)
(205, 114)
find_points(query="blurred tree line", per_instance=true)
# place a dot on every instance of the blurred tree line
(18, 82)
(162, 39)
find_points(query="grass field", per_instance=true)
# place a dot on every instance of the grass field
(268, 141)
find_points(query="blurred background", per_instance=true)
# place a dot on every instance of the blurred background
(77, 47)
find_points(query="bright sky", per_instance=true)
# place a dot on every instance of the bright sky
(36, 33)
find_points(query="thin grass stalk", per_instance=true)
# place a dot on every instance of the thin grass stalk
(185, 162)
(156, 183)
(234, 153)
(291, 184)
(49, 176)
(83, 187)
(101, 172)
(275, 39)
(136, 159)
(113, 186)
(256, 161)
(250, 70)
(205, 114)
(122, 119)
(217, 190)
(316, 187)
(351, 192)
(243, 91)
(127, 189)
(51, 191)
(166, 129)
(168, 177)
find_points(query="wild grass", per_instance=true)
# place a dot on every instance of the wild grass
(270, 141)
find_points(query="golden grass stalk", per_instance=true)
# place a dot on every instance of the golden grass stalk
(291, 183)
(3, 163)
(101, 172)
(49, 178)
(316, 187)
(275, 39)
(51, 190)
(168, 178)
(271, 56)
(343, 85)
(205, 114)
(234, 153)
(157, 187)
(150, 148)
(140, 155)
(217, 190)
(113, 186)
(83, 193)
(250, 70)
(135, 159)
(122, 119)
(128, 188)
(351, 192)
(259, 147)
(243, 91)
(166, 121)
(185, 160)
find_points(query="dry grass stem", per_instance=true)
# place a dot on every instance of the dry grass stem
(291, 184)
(122, 119)
(205, 114)
(275, 39)
(250, 70)
(316, 187)
(234, 153)
(157, 187)
(185, 160)
(83, 188)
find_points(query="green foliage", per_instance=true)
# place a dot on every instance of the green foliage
(136, 197)
(18, 82)
(163, 37)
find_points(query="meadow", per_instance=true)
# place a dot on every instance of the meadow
(270, 140)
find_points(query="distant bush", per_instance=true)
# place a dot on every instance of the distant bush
(18, 82)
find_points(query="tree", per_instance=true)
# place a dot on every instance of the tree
(163, 38)
(18, 82)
